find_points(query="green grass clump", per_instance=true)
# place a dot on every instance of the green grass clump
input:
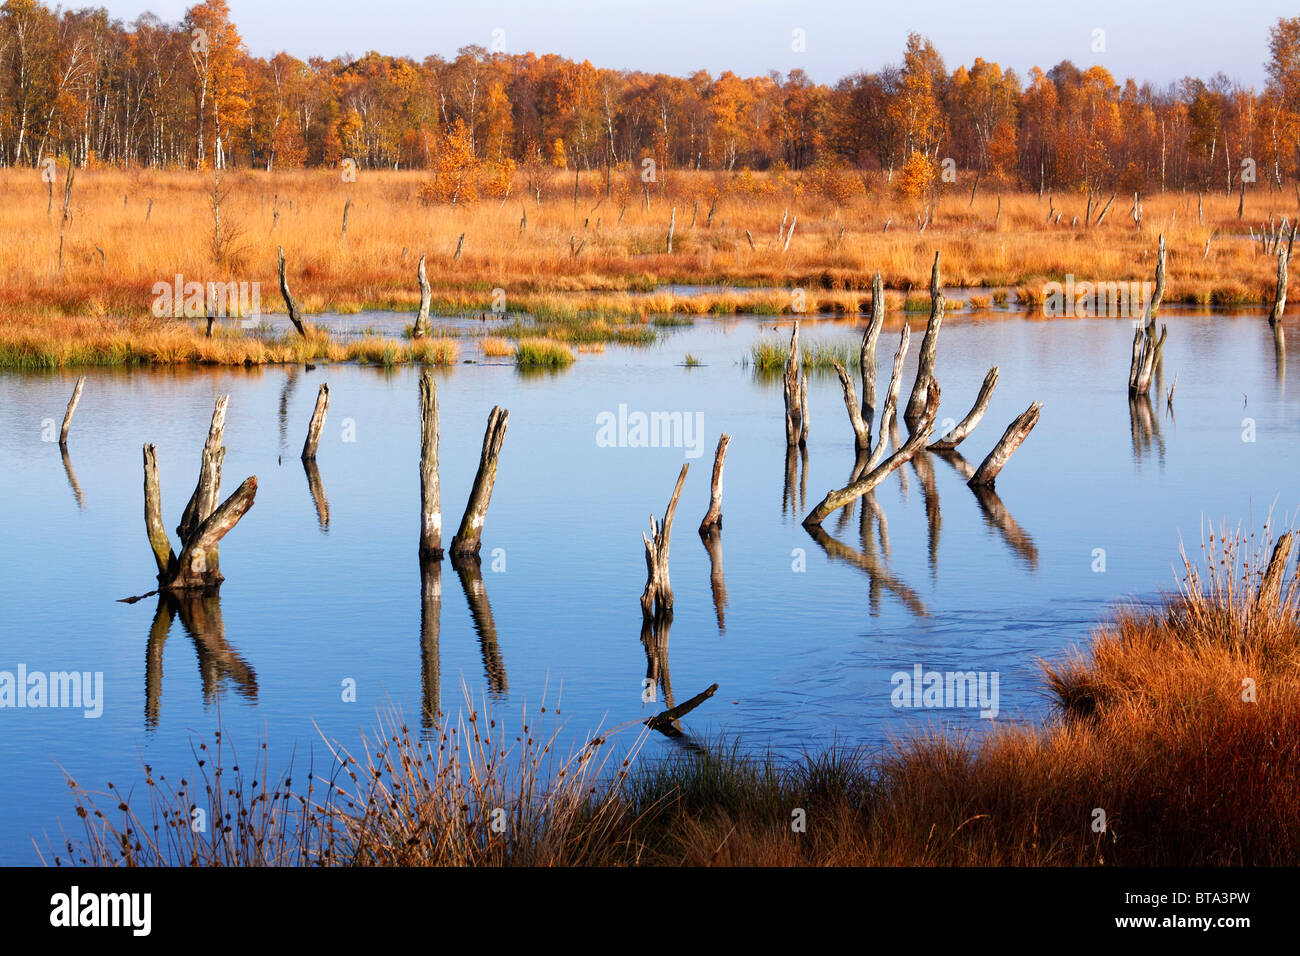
(542, 353)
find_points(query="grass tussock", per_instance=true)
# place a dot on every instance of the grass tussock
(542, 353)
(768, 355)
(1179, 724)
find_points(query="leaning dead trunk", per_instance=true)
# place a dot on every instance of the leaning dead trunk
(72, 408)
(657, 598)
(163, 554)
(317, 423)
(967, 424)
(835, 500)
(430, 503)
(929, 350)
(468, 539)
(861, 430)
(294, 315)
(986, 474)
(713, 518)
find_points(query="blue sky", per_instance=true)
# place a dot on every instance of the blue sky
(1150, 41)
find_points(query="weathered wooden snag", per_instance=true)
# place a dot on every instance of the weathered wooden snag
(1146, 345)
(468, 539)
(890, 411)
(657, 599)
(867, 357)
(1270, 585)
(855, 490)
(421, 327)
(713, 518)
(72, 407)
(796, 401)
(203, 524)
(986, 474)
(861, 430)
(430, 497)
(317, 423)
(294, 315)
(967, 424)
(929, 351)
(1279, 293)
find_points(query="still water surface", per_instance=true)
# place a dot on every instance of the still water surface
(801, 635)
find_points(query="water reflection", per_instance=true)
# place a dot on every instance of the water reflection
(72, 478)
(200, 614)
(286, 391)
(317, 490)
(877, 572)
(796, 475)
(430, 655)
(712, 540)
(480, 609)
(654, 638)
(1145, 429)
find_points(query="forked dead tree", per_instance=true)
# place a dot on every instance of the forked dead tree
(835, 500)
(657, 598)
(203, 524)
(467, 540)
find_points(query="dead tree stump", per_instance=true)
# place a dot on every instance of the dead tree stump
(430, 504)
(929, 351)
(1146, 345)
(317, 423)
(421, 328)
(986, 474)
(796, 394)
(72, 408)
(467, 540)
(713, 518)
(1279, 293)
(657, 599)
(867, 358)
(861, 430)
(203, 524)
(294, 315)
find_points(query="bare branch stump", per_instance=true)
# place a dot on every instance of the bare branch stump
(430, 503)
(795, 432)
(317, 423)
(929, 351)
(713, 518)
(72, 407)
(657, 599)
(468, 539)
(967, 424)
(867, 357)
(421, 328)
(986, 474)
(294, 315)
(861, 430)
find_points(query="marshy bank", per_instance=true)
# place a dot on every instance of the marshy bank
(1172, 742)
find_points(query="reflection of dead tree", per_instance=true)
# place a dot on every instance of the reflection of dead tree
(930, 493)
(1144, 427)
(717, 583)
(72, 478)
(666, 722)
(430, 658)
(995, 512)
(874, 568)
(290, 381)
(200, 614)
(471, 580)
(654, 639)
(794, 498)
(317, 489)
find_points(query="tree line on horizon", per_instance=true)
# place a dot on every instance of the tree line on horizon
(85, 88)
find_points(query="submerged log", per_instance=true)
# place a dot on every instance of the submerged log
(421, 327)
(430, 497)
(294, 315)
(713, 517)
(317, 423)
(666, 721)
(967, 424)
(929, 350)
(469, 537)
(835, 500)
(986, 474)
(657, 598)
(72, 408)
